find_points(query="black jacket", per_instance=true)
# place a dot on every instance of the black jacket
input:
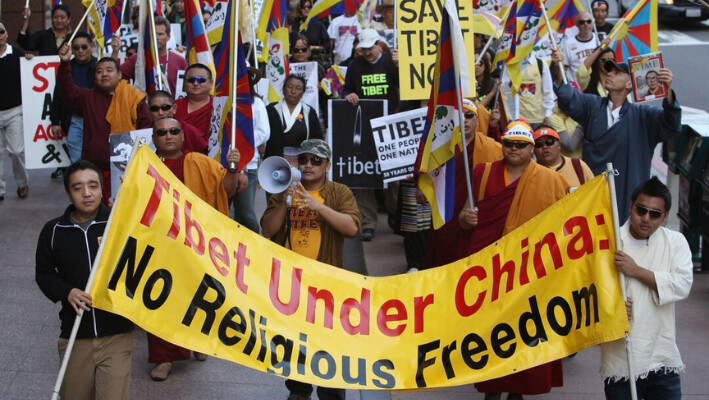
(60, 113)
(64, 257)
(44, 41)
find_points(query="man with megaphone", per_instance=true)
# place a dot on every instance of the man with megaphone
(315, 224)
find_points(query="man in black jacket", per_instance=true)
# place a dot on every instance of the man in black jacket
(99, 365)
(63, 118)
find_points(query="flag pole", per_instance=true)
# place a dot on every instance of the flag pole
(233, 80)
(252, 48)
(593, 22)
(497, 29)
(610, 176)
(154, 45)
(552, 39)
(396, 25)
(461, 120)
(89, 283)
(81, 21)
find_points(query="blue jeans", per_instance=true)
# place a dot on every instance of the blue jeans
(243, 203)
(75, 138)
(660, 385)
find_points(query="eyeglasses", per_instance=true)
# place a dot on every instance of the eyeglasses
(315, 161)
(300, 49)
(196, 79)
(513, 143)
(171, 131)
(584, 21)
(547, 142)
(603, 60)
(78, 47)
(2, 31)
(164, 107)
(642, 210)
(469, 115)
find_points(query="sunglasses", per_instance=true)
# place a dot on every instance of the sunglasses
(171, 131)
(469, 115)
(78, 47)
(510, 144)
(300, 49)
(584, 21)
(164, 107)
(196, 79)
(642, 210)
(2, 31)
(546, 142)
(315, 161)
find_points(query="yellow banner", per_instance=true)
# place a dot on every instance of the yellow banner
(418, 29)
(190, 275)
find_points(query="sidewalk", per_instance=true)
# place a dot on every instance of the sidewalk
(30, 325)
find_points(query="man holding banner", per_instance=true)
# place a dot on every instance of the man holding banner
(508, 193)
(99, 363)
(658, 265)
(209, 181)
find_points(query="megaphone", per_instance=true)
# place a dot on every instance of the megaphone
(275, 175)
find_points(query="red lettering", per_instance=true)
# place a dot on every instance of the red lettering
(152, 207)
(218, 252)
(509, 269)
(190, 226)
(420, 304)
(241, 263)
(294, 301)
(383, 317)
(523, 274)
(363, 308)
(43, 82)
(175, 227)
(464, 309)
(40, 133)
(550, 241)
(583, 236)
(315, 294)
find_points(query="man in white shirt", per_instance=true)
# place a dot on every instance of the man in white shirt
(657, 264)
(342, 31)
(577, 48)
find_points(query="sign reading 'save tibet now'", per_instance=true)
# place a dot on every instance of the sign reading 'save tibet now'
(192, 276)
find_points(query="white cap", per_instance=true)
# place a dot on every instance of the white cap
(368, 38)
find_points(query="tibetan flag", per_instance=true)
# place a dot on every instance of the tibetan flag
(325, 8)
(562, 16)
(148, 75)
(333, 82)
(273, 32)
(508, 40)
(441, 139)
(529, 14)
(198, 50)
(56, 3)
(105, 18)
(636, 32)
(224, 85)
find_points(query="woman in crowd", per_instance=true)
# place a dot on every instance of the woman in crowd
(316, 32)
(486, 85)
(291, 121)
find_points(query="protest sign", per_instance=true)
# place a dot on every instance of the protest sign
(120, 146)
(644, 73)
(544, 291)
(419, 24)
(43, 149)
(309, 71)
(396, 139)
(354, 157)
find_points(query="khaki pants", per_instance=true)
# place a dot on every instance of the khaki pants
(98, 368)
